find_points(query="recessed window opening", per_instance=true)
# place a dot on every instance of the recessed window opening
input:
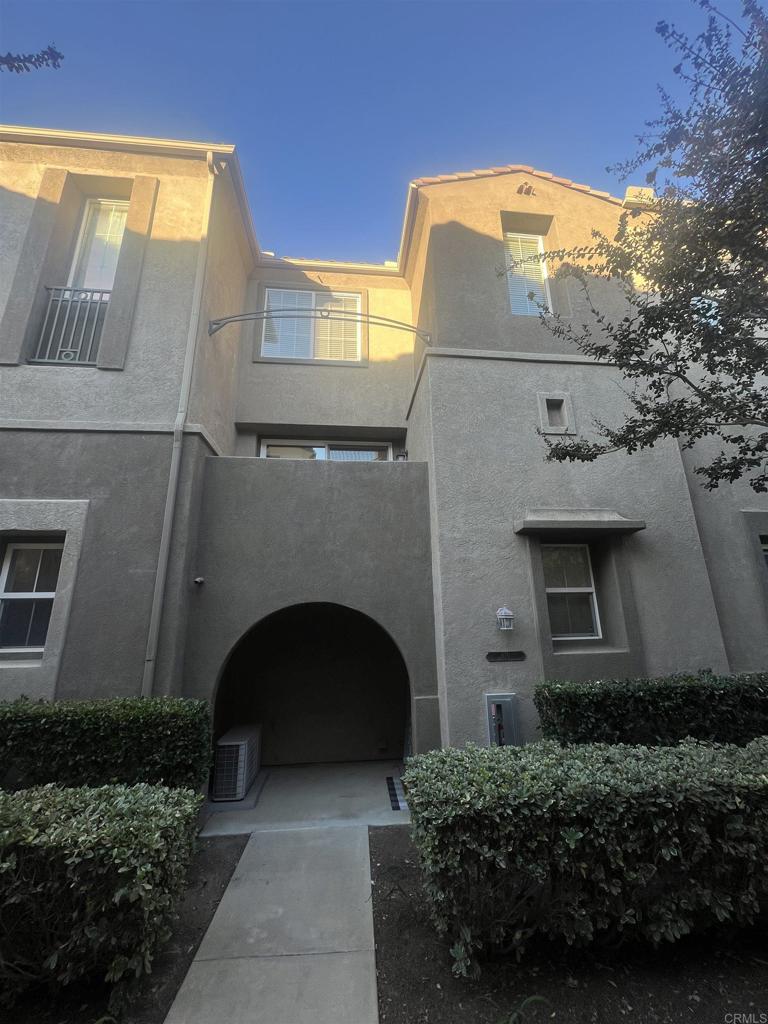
(526, 274)
(556, 416)
(322, 451)
(570, 587)
(98, 244)
(28, 580)
(75, 312)
(332, 338)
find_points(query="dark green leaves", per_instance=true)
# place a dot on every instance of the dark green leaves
(88, 881)
(95, 742)
(581, 843)
(720, 709)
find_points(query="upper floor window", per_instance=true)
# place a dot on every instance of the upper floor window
(320, 451)
(571, 597)
(98, 244)
(328, 329)
(75, 312)
(28, 581)
(526, 274)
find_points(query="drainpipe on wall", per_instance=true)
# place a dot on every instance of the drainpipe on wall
(158, 594)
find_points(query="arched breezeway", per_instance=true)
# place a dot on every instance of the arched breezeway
(325, 682)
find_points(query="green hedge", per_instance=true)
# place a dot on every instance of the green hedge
(720, 709)
(96, 742)
(579, 843)
(88, 881)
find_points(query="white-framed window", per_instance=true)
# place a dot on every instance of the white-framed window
(526, 274)
(28, 579)
(328, 330)
(571, 597)
(322, 451)
(98, 244)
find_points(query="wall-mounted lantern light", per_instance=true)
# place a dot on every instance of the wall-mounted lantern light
(505, 619)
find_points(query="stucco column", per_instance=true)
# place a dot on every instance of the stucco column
(113, 347)
(50, 231)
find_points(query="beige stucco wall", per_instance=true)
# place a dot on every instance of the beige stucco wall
(456, 270)
(690, 591)
(101, 438)
(228, 264)
(19, 183)
(367, 548)
(372, 395)
(731, 520)
(146, 391)
(690, 585)
(474, 421)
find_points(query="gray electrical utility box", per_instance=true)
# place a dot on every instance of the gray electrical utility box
(503, 719)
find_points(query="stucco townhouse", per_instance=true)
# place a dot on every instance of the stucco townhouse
(325, 516)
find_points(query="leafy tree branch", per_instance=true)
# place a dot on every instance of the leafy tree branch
(23, 62)
(692, 341)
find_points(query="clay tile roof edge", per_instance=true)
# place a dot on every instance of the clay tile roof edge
(488, 172)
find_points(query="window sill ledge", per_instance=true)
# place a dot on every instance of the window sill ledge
(62, 362)
(586, 647)
(19, 656)
(348, 363)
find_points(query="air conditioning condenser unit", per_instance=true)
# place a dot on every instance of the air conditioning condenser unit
(236, 762)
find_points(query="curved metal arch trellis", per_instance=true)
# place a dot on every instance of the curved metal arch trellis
(320, 314)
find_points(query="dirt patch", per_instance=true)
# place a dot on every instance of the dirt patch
(209, 873)
(698, 981)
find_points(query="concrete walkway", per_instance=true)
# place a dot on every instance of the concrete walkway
(332, 795)
(292, 939)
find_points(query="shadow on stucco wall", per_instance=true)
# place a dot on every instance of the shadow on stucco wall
(464, 298)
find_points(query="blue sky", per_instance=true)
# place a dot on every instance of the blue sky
(334, 107)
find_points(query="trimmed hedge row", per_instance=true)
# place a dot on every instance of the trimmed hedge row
(88, 880)
(585, 842)
(720, 709)
(97, 742)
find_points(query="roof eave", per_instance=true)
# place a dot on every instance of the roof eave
(418, 184)
(144, 144)
(106, 140)
(389, 269)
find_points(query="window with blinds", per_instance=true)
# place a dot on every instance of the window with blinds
(326, 327)
(571, 596)
(526, 274)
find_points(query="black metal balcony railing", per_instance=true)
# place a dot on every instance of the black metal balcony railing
(72, 326)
